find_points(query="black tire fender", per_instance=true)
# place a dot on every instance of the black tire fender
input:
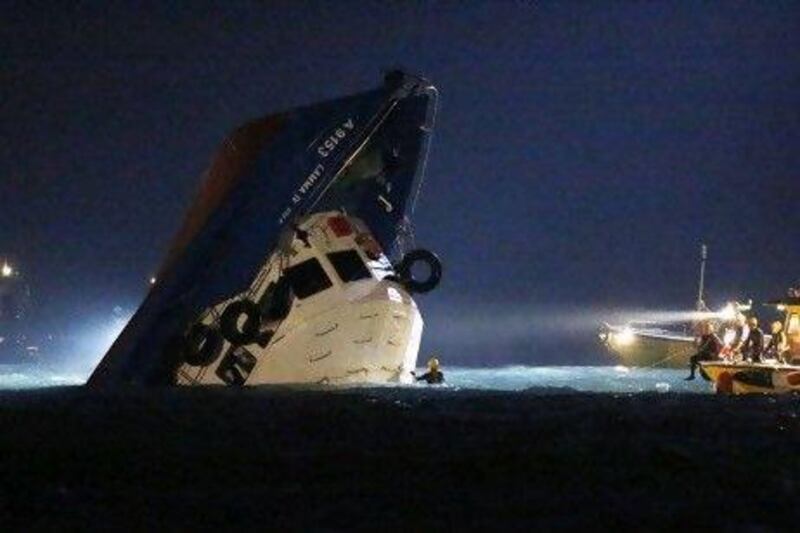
(404, 271)
(201, 345)
(247, 333)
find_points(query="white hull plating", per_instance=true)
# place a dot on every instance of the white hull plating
(372, 341)
(375, 341)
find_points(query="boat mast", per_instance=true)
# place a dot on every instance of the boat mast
(701, 304)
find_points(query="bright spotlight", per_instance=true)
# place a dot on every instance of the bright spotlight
(626, 337)
(729, 312)
(92, 339)
(6, 271)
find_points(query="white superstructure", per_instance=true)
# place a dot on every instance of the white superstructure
(325, 308)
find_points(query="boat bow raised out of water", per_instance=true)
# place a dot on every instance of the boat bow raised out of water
(294, 261)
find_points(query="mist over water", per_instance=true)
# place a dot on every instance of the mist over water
(481, 334)
(503, 323)
(478, 336)
(487, 338)
(475, 335)
(18, 377)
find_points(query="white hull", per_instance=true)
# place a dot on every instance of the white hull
(374, 342)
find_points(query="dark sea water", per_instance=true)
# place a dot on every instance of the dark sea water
(508, 378)
(510, 448)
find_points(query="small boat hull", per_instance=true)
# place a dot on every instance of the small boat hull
(636, 348)
(752, 378)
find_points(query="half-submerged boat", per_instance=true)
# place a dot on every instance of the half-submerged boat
(295, 263)
(769, 376)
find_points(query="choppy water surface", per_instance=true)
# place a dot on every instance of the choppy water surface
(511, 378)
(581, 378)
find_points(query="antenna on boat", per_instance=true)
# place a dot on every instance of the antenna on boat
(701, 304)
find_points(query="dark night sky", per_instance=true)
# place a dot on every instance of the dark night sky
(581, 153)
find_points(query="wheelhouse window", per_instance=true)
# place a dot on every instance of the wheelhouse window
(349, 266)
(307, 278)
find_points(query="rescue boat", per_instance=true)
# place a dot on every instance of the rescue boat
(296, 263)
(749, 378)
(644, 345)
(770, 376)
(647, 347)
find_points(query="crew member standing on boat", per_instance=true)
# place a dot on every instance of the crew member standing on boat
(707, 350)
(754, 344)
(777, 347)
(434, 375)
(741, 332)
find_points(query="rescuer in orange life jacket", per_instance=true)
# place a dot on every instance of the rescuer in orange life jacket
(707, 350)
(433, 376)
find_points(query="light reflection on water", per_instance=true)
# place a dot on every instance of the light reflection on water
(582, 378)
(510, 378)
(14, 377)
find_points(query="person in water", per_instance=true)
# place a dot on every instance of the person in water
(777, 347)
(708, 349)
(754, 343)
(434, 375)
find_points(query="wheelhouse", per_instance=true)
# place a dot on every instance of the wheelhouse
(790, 306)
(332, 251)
